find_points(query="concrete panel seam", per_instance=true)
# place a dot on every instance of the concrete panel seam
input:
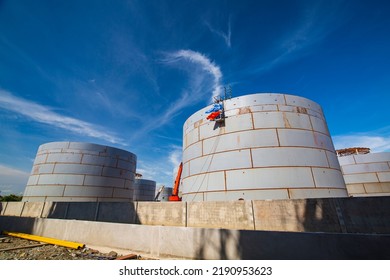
(253, 216)
(21, 210)
(340, 216)
(43, 207)
(66, 210)
(97, 211)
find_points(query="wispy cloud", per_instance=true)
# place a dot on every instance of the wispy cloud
(12, 180)
(226, 36)
(42, 114)
(200, 86)
(376, 142)
(208, 67)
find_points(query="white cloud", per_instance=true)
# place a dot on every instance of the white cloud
(12, 181)
(46, 115)
(175, 156)
(375, 143)
(206, 65)
(199, 89)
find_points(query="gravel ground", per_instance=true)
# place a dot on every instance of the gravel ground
(33, 250)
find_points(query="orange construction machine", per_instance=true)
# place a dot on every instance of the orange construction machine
(175, 191)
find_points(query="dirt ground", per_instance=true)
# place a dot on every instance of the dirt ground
(14, 248)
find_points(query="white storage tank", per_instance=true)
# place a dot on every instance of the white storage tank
(144, 190)
(270, 146)
(366, 174)
(76, 171)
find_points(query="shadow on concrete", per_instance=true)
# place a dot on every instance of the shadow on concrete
(115, 212)
(332, 229)
(225, 244)
(318, 215)
(218, 244)
(23, 224)
(313, 246)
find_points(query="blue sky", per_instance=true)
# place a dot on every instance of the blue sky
(129, 73)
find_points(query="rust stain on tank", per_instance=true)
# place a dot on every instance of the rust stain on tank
(286, 122)
(198, 123)
(301, 110)
(36, 169)
(244, 110)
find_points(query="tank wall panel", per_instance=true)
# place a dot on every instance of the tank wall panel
(223, 161)
(374, 157)
(205, 182)
(191, 137)
(281, 120)
(314, 193)
(360, 178)
(366, 168)
(305, 138)
(243, 140)
(193, 151)
(88, 191)
(238, 123)
(289, 156)
(319, 125)
(384, 177)
(265, 178)
(45, 191)
(77, 168)
(328, 178)
(60, 179)
(43, 168)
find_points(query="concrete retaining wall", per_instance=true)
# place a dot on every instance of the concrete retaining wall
(338, 215)
(203, 243)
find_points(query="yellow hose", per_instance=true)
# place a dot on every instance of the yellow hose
(64, 243)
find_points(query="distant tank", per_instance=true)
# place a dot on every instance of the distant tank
(365, 173)
(76, 171)
(261, 146)
(144, 190)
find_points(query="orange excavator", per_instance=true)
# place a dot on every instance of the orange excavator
(175, 191)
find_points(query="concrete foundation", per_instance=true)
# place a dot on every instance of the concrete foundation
(327, 228)
(207, 244)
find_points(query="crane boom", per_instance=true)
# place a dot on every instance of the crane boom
(175, 191)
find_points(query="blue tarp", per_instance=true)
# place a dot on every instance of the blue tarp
(216, 107)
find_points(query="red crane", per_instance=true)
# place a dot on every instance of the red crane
(175, 191)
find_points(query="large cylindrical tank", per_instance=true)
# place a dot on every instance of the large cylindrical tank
(367, 174)
(144, 190)
(75, 171)
(270, 146)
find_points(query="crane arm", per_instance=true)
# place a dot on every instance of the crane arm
(175, 191)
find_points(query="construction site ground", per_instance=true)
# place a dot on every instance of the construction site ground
(14, 248)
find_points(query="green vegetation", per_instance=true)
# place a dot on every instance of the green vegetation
(11, 197)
